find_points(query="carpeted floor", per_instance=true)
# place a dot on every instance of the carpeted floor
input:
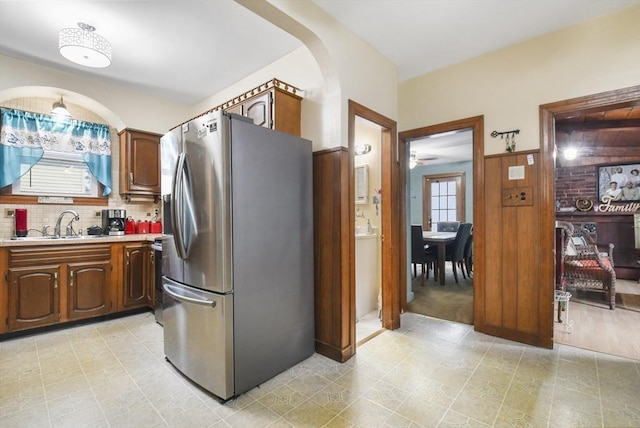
(452, 302)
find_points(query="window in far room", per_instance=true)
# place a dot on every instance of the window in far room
(443, 199)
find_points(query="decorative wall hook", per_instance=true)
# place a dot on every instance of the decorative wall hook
(511, 138)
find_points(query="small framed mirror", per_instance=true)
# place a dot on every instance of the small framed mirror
(362, 184)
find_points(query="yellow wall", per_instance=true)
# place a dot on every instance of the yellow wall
(369, 134)
(508, 86)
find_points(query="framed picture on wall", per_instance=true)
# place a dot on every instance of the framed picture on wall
(619, 182)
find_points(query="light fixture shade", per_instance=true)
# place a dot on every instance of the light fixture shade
(570, 153)
(83, 46)
(362, 149)
(59, 109)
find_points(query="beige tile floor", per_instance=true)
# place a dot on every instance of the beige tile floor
(429, 373)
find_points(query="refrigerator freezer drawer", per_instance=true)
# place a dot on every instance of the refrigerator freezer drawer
(198, 336)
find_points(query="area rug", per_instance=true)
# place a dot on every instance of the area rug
(452, 302)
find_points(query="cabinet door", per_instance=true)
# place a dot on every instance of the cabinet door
(34, 297)
(134, 292)
(150, 271)
(258, 108)
(89, 289)
(140, 163)
(237, 109)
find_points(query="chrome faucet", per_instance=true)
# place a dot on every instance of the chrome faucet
(56, 230)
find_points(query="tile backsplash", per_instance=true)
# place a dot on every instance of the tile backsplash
(39, 215)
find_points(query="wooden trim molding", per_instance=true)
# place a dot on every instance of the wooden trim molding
(476, 123)
(392, 249)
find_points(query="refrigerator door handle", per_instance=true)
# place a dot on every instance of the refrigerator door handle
(170, 291)
(190, 230)
(176, 207)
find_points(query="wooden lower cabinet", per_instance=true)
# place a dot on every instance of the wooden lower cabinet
(34, 297)
(47, 285)
(138, 276)
(89, 289)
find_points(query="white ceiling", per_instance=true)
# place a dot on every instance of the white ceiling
(190, 49)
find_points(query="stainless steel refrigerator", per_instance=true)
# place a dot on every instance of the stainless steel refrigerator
(237, 255)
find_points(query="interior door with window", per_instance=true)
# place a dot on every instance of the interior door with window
(443, 199)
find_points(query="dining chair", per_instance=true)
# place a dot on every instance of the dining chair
(419, 252)
(467, 260)
(447, 226)
(455, 251)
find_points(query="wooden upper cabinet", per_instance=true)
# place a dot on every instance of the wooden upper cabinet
(258, 109)
(139, 164)
(275, 107)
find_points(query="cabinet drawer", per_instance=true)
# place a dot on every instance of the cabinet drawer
(37, 256)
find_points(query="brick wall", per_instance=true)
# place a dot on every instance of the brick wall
(577, 182)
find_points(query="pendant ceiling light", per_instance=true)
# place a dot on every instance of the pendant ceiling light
(83, 46)
(59, 109)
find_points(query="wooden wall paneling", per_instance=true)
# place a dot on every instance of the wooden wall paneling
(528, 249)
(510, 235)
(334, 329)
(514, 294)
(491, 311)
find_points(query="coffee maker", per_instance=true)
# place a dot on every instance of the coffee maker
(113, 222)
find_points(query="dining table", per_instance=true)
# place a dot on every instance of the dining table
(440, 241)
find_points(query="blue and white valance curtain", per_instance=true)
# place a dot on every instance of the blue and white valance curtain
(25, 136)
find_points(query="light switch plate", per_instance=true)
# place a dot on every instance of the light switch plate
(517, 196)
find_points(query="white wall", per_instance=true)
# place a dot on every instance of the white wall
(298, 68)
(509, 85)
(119, 106)
(351, 68)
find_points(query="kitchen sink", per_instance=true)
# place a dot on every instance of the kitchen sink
(49, 238)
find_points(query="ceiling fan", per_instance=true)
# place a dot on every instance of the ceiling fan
(416, 159)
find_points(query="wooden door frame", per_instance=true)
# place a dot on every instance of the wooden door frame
(476, 123)
(611, 99)
(390, 220)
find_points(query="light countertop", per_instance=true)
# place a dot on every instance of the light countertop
(99, 239)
